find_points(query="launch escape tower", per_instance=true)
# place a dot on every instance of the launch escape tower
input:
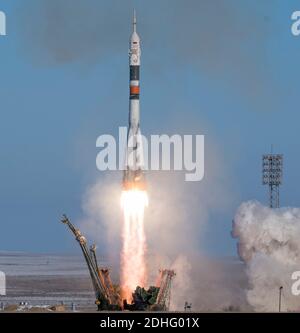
(272, 176)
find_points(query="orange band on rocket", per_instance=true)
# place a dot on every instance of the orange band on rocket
(134, 90)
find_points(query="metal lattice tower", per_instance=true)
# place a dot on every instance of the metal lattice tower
(164, 295)
(272, 176)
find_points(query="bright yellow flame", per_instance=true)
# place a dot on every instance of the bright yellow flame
(134, 201)
(133, 267)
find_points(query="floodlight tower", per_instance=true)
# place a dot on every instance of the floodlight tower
(272, 176)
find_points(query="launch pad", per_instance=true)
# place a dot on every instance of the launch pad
(108, 296)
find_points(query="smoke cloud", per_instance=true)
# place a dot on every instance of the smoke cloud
(178, 211)
(175, 225)
(269, 245)
(208, 284)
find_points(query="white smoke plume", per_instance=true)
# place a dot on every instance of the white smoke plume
(175, 224)
(208, 284)
(102, 220)
(269, 245)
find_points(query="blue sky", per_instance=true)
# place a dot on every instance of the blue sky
(226, 69)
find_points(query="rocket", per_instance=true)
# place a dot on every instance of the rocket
(133, 178)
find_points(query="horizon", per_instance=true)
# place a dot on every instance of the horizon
(61, 90)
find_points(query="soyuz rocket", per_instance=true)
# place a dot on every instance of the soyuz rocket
(133, 178)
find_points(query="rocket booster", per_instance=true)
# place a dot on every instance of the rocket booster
(133, 175)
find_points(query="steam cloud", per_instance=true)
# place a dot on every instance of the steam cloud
(269, 245)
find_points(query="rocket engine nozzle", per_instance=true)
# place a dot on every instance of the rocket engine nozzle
(134, 180)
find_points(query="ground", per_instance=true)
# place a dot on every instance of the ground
(40, 280)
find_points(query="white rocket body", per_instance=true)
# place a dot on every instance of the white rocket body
(133, 175)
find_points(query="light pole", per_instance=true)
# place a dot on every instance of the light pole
(272, 165)
(280, 292)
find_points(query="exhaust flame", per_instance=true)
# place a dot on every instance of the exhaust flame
(133, 268)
